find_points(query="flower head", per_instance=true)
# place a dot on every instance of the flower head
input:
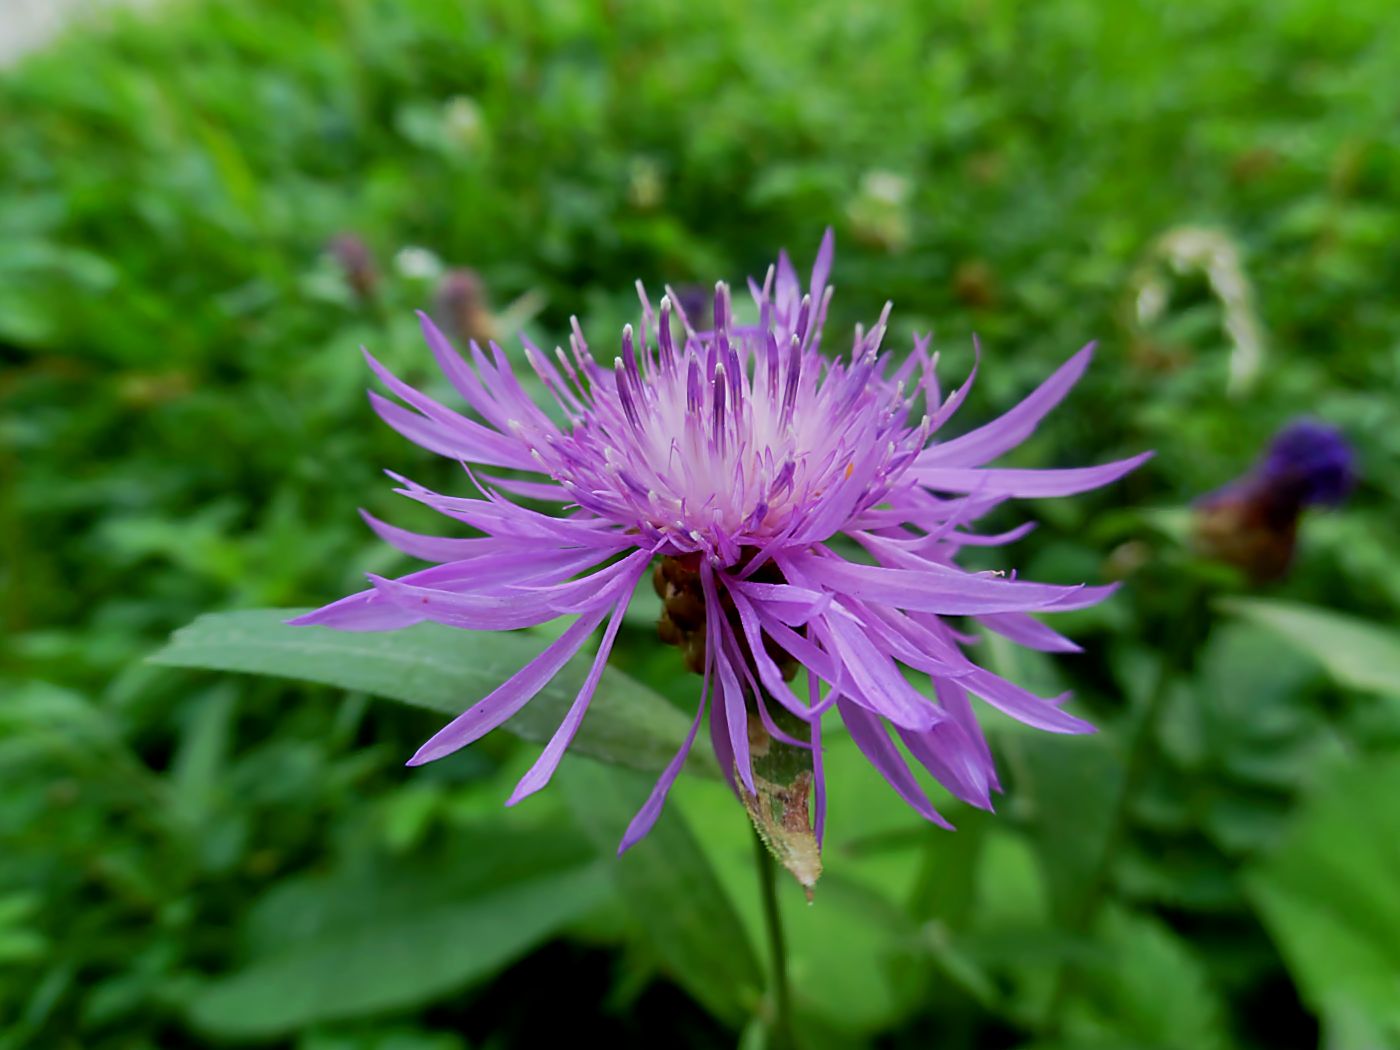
(795, 508)
(1309, 463)
(1253, 522)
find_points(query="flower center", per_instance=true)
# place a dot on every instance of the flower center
(728, 437)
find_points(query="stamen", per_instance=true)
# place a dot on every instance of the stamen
(718, 423)
(629, 358)
(694, 399)
(794, 375)
(680, 311)
(721, 307)
(663, 332)
(771, 364)
(625, 396)
(804, 317)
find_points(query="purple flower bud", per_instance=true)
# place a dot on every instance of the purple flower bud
(1311, 462)
(1252, 523)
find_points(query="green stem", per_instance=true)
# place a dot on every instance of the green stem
(777, 948)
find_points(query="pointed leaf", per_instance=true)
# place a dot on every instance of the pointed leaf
(443, 670)
(1328, 895)
(1357, 653)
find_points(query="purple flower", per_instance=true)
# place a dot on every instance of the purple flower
(1309, 463)
(1252, 522)
(802, 495)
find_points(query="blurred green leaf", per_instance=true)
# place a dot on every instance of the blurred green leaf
(1328, 894)
(1071, 788)
(1356, 652)
(440, 669)
(373, 962)
(670, 887)
(19, 943)
(1144, 990)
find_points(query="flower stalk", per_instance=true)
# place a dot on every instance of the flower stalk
(781, 991)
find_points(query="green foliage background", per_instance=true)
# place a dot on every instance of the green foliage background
(196, 859)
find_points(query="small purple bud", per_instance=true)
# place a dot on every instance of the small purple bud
(357, 262)
(1252, 523)
(1313, 460)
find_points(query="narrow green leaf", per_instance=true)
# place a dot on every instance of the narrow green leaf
(668, 883)
(442, 670)
(1356, 652)
(1327, 894)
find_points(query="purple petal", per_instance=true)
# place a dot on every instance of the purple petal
(788, 289)
(515, 522)
(651, 809)
(999, 539)
(459, 373)
(544, 767)
(512, 695)
(540, 490)
(818, 762)
(954, 699)
(719, 740)
(365, 611)
(931, 588)
(373, 610)
(1009, 430)
(1024, 630)
(913, 644)
(1084, 598)
(1025, 484)
(945, 411)
(436, 548)
(874, 677)
(768, 671)
(435, 436)
(947, 753)
(511, 607)
(875, 744)
(729, 693)
(801, 649)
(793, 605)
(1022, 705)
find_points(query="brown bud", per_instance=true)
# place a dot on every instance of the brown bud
(461, 306)
(357, 262)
